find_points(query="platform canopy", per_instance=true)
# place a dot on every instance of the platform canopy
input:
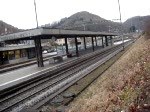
(47, 33)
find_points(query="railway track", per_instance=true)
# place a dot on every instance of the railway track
(35, 92)
(10, 67)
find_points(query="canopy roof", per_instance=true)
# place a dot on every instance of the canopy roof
(46, 33)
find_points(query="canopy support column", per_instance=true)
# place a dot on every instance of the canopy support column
(84, 43)
(92, 43)
(66, 44)
(76, 43)
(106, 40)
(38, 51)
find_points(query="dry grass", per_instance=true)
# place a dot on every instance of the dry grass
(121, 86)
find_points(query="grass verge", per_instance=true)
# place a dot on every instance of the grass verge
(124, 86)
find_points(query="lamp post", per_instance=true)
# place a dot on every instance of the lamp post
(36, 13)
(121, 24)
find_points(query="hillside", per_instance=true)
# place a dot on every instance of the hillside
(90, 22)
(6, 28)
(86, 21)
(124, 87)
(137, 22)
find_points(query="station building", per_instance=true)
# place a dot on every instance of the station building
(10, 55)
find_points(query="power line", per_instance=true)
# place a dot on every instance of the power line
(36, 14)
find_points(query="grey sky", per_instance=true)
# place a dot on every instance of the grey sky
(20, 13)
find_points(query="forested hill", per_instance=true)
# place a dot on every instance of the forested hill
(6, 28)
(137, 22)
(86, 21)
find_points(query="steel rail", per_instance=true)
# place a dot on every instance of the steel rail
(63, 77)
(69, 74)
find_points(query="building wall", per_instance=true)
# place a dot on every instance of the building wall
(31, 53)
(4, 57)
(18, 60)
(16, 56)
(60, 41)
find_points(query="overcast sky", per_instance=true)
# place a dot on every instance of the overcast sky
(21, 13)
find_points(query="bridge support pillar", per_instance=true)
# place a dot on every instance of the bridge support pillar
(38, 51)
(92, 43)
(66, 44)
(106, 40)
(76, 43)
(84, 43)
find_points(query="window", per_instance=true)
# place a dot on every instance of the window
(5, 54)
(11, 55)
(23, 53)
(17, 54)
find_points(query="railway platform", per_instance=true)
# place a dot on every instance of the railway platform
(17, 76)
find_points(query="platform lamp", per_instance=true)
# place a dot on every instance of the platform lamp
(121, 24)
(36, 14)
